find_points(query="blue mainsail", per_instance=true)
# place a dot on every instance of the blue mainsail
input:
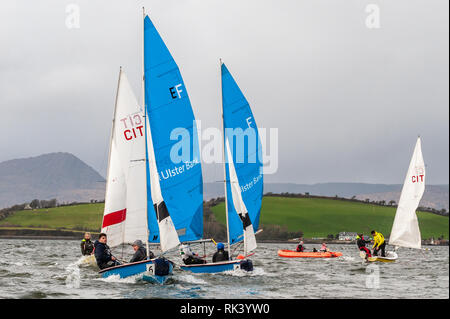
(170, 115)
(241, 132)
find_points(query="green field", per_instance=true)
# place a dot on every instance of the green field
(77, 217)
(317, 217)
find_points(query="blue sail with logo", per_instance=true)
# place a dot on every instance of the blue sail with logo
(175, 141)
(242, 133)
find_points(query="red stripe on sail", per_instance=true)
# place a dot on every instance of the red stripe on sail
(114, 218)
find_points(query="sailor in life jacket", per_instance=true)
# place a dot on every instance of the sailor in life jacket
(103, 254)
(378, 243)
(87, 246)
(361, 242)
(140, 253)
(324, 248)
(221, 254)
(188, 256)
(300, 248)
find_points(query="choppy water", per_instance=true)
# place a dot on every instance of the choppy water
(51, 269)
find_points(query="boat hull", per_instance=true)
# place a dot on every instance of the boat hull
(390, 257)
(295, 254)
(88, 261)
(213, 267)
(144, 267)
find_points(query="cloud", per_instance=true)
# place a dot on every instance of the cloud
(349, 101)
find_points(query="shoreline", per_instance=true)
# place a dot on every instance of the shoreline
(73, 236)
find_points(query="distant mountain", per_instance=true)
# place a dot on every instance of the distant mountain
(56, 175)
(67, 178)
(435, 196)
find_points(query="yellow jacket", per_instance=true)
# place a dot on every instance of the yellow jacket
(378, 239)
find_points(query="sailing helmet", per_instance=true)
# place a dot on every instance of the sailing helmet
(220, 246)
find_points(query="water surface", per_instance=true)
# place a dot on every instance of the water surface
(51, 269)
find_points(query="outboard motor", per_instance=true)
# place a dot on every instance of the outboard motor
(162, 266)
(246, 265)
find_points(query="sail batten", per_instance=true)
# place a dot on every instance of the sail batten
(405, 230)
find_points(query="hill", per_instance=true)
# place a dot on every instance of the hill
(435, 196)
(66, 178)
(56, 175)
(315, 217)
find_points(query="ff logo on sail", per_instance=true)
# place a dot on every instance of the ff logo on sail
(176, 90)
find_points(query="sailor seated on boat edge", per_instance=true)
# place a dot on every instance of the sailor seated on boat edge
(103, 254)
(300, 248)
(324, 248)
(189, 257)
(221, 254)
(140, 252)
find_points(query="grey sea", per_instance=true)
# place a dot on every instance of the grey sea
(53, 269)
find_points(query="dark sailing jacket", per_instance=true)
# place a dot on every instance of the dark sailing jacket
(102, 254)
(361, 242)
(139, 255)
(220, 255)
(87, 247)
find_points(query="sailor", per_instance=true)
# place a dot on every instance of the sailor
(87, 246)
(188, 256)
(221, 254)
(300, 248)
(103, 254)
(324, 248)
(140, 252)
(361, 242)
(378, 243)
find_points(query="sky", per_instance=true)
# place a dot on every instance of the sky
(348, 84)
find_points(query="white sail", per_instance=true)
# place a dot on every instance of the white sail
(125, 213)
(168, 236)
(405, 230)
(239, 205)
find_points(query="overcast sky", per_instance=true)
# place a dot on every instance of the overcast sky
(348, 100)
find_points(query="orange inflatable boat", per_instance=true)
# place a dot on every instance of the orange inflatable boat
(307, 254)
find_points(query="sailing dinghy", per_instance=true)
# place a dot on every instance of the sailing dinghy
(125, 213)
(166, 197)
(405, 229)
(243, 178)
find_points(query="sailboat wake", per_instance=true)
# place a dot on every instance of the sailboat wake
(73, 276)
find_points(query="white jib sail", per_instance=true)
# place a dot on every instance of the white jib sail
(168, 236)
(239, 205)
(405, 230)
(125, 214)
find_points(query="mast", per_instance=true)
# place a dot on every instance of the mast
(224, 169)
(145, 119)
